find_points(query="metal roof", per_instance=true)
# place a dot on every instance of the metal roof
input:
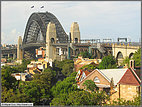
(116, 74)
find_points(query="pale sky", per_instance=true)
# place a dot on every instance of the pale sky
(96, 19)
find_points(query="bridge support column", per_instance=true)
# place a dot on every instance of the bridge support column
(14, 56)
(1, 55)
(75, 33)
(8, 55)
(50, 39)
(69, 53)
(19, 50)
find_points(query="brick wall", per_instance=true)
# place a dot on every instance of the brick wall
(126, 92)
(92, 76)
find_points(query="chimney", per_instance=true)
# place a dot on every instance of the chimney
(132, 63)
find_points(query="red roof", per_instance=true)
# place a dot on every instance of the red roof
(86, 72)
(129, 78)
(81, 72)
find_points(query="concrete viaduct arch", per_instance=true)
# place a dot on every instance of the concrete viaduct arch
(121, 51)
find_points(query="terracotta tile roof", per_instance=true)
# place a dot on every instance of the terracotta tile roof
(86, 72)
(129, 78)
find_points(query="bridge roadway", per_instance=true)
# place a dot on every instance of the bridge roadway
(8, 51)
(36, 45)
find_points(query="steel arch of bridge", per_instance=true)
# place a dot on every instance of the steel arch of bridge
(37, 26)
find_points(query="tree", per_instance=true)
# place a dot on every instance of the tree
(65, 86)
(80, 98)
(53, 75)
(25, 63)
(38, 89)
(137, 57)
(11, 96)
(7, 80)
(67, 69)
(85, 54)
(90, 85)
(108, 62)
(126, 61)
(65, 66)
(60, 100)
(89, 67)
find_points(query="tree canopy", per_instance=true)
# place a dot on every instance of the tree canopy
(137, 57)
(65, 66)
(90, 85)
(80, 97)
(108, 62)
(89, 67)
(85, 54)
(65, 86)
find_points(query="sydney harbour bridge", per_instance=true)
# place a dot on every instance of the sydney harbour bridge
(35, 32)
(35, 36)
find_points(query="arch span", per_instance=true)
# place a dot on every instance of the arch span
(35, 31)
(119, 58)
(37, 25)
(131, 55)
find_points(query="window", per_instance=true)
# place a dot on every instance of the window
(52, 40)
(96, 80)
(76, 40)
(78, 74)
(83, 76)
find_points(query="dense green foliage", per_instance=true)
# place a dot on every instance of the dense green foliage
(66, 93)
(66, 86)
(90, 85)
(38, 90)
(126, 61)
(85, 54)
(135, 102)
(80, 97)
(108, 62)
(137, 57)
(7, 80)
(89, 67)
(48, 89)
(65, 66)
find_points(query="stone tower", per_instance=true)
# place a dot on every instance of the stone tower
(50, 39)
(75, 33)
(19, 50)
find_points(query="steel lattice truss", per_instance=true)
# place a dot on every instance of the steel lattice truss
(35, 31)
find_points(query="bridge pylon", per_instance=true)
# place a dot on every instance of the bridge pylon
(19, 50)
(75, 33)
(50, 39)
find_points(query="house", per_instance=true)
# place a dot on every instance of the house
(81, 75)
(40, 53)
(80, 62)
(37, 66)
(118, 83)
(22, 76)
(3, 60)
